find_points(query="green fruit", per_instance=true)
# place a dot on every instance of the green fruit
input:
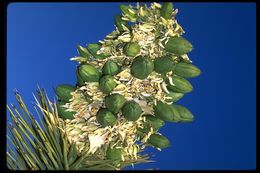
(163, 64)
(159, 141)
(166, 10)
(174, 96)
(152, 121)
(180, 85)
(163, 111)
(178, 46)
(141, 131)
(142, 67)
(114, 102)
(186, 70)
(105, 117)
(131, 111)
(131, 49)
(181, 114)
(63, 92)
(113, 153)
(107, 84)
(93, 48)
(80, 81)
(83, 52)
(63, 113)
(89, 73)
(110, 68)
(119, 22)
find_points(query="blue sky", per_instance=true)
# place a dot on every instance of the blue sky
(42, 37)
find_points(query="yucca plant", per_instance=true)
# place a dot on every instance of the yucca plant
(43, 144)
(126, 89)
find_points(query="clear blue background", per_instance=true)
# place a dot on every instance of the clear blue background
(43, 36)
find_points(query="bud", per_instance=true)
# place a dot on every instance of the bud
(131, 49)
(63, 92)
(163, 111)
(174, 96)
(62, 111)
(178, 46)
(159, 141)
(93, 48)
(107, 84)
(186, 70)
(163, 64)
(114, 102)
(119, 22)
(166, 10)
(105, 117)
(142, 67)
(89, 73)
(128, 13)
(131, 111)
(180, 84)
(181, 114)
(113, 153)
(110, 68)
(83, 52)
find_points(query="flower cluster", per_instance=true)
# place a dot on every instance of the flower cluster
(128, 83)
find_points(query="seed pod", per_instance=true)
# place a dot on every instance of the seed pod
(141, 131)
(63, 113)
(151, 121)
(163, 64)
(80, 81)
(83, 52)
(166, 10)
(119, 22)
(113, 153)
(131, 111)
(186, 70)
(163, 111)
(89, 73)
(154, 122)
(159, 141)
(142, 67)
(110, 68)
(107, 84)
(174, 96)
(105, 117)
(181, 114)
(131, 49)
(63, 92)
(180, 84)
(178, 46)
(93, 48)
(114, 102)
